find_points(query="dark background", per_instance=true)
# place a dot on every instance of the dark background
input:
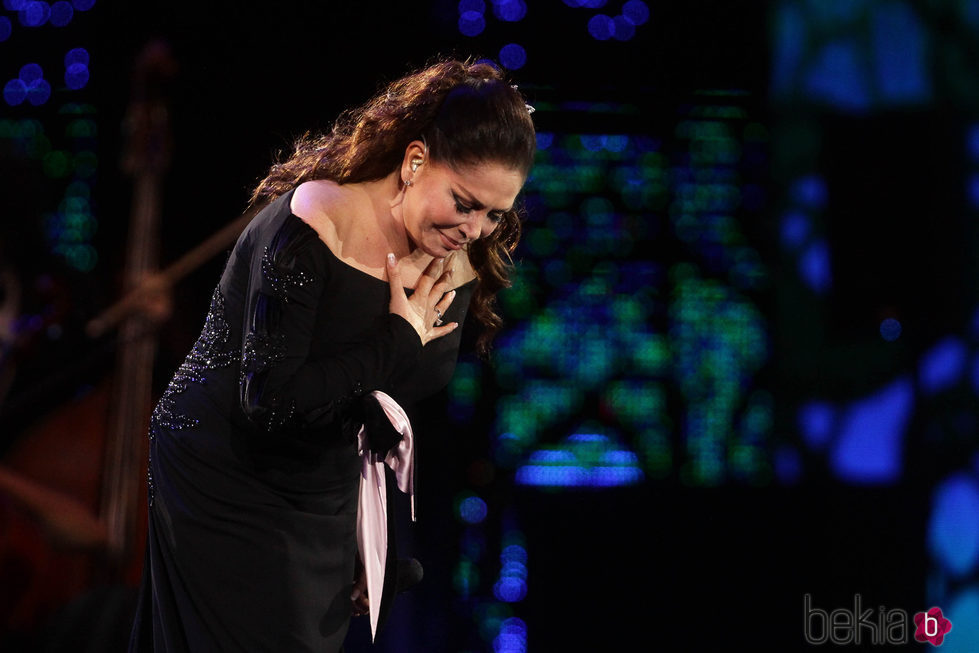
(657, 566)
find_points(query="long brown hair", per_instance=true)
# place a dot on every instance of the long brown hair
(467, 113)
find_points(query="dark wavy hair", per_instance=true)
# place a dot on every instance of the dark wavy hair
(467, 113)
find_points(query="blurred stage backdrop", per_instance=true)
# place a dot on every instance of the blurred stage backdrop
(741, 361)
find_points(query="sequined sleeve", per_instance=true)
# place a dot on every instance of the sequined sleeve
(282, 385)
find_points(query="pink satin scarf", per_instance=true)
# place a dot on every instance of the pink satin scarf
(372, 521)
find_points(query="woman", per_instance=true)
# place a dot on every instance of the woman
(353, 278)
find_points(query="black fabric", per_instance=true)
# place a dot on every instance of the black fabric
(253, 468)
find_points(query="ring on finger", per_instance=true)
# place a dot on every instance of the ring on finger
(438, 318)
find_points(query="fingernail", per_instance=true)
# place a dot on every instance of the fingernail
(452, 293)
(353, 597)
(390, 258)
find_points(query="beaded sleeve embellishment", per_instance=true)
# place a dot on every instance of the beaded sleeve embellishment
(210, 352)
(280, 280)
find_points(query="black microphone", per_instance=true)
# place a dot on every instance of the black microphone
(409, 574)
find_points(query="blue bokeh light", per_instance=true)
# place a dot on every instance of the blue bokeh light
(510, 11)
(810, 191)
(973, 190)
(838, 76)
(472, 510)
(35, 13)
(795, 229)
(61, 13)
(814, 266)
(472, 23)
(510, 589)
(953, 532)
(38, 92)
(624, 29)
(601, 27)
(513, 56)
(14, 5)
(890, 329)
(76, 55)
(6, 27)
(83, 5)
(636, 12)
(76, 76)
(901, 53)
(972, 142)
(817, 420)
(30, 73)
(962, 609)
(868, 449)
(14, 92)
(942, 365)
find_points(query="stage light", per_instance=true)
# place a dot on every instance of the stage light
(953, 531)
(14, 92)
(76, 56)
(61, 13)
(795, 229)
(616, 143)
(942, 365)
(816, 421)
(636, 12)
(890, 329)
(972, 139)
(472, 23)
(814, 266)
(868, 448)
(34, 13)
(30, 73)
(809, 191)
(973, 190)
(601, 27)
(509, 11)
(513, 56)
(623, 29)
(472, 510)
(510, 589)
(76, 76)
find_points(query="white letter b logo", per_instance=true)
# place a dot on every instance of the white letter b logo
(928, 629)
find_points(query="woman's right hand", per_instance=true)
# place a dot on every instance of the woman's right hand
(429, 301)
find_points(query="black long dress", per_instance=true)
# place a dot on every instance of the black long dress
(254, 470)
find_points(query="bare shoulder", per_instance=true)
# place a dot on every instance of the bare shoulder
(317, 204)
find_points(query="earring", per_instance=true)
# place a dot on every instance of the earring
(407, 182)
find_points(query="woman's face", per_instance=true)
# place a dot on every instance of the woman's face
(445, 209)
